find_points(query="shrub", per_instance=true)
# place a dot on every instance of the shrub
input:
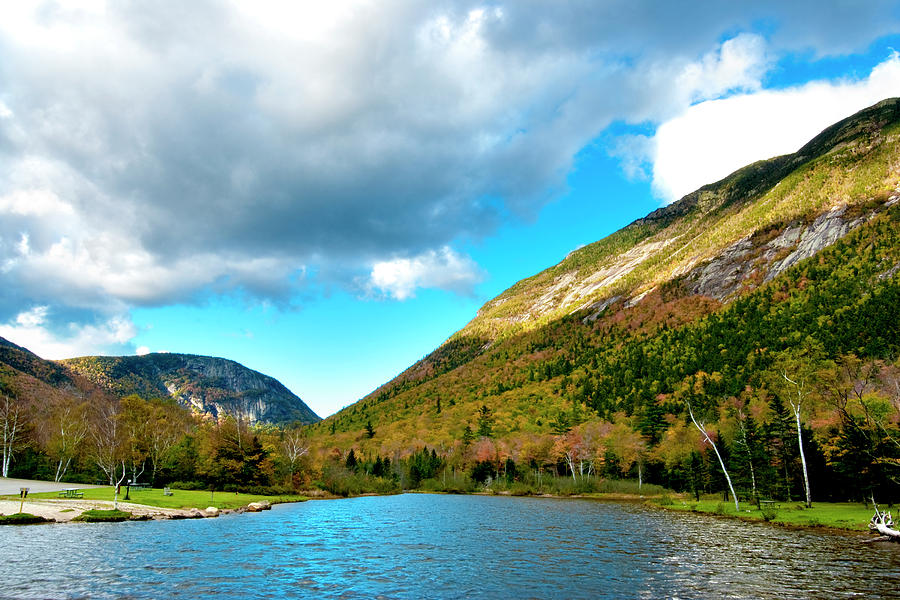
(188, 485)
(768, 513)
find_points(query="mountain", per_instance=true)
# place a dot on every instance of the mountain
(35, 378)
(801, 249)
(205, 384)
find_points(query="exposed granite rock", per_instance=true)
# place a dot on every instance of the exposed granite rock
(753, 260)
(208, 385)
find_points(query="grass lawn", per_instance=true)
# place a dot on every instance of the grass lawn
(178, 499)
(21, 519)
(840, 515)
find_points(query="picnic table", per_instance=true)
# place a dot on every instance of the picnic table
(70, 493)
(138, 485)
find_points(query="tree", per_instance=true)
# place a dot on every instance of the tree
(796, 370)
(294, 446)
(107, 445)
(701, 427)
(350, 463)
(12, 420)
(468, 436)
(170, 423)
(137, 424)
(485, 422)
(370, 431)
(65, 430)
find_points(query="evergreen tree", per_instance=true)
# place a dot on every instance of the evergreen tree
(485, 422)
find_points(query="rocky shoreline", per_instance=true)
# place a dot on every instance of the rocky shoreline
(64, 511)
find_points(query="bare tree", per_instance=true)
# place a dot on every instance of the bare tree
(12, 420)
(295, 446)
(67, 429)
(701, 427)
(106, 449)
(796, 400)
(168, 428)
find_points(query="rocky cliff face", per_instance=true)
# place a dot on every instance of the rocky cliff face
(756, 259)
(725, 237)
(207, 385)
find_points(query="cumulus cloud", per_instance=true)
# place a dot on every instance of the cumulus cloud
(444, 269)
(31, 329)
(712, 139)
(154, 153)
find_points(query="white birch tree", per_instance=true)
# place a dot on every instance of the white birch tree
(12, 418)
(701, 427)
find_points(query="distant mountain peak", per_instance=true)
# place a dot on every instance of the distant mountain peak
(206, 384)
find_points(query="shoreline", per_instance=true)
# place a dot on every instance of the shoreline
(66, 510)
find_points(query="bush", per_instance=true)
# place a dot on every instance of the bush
(665, 500)
(459, 483)
(768, 513)
(188, 485)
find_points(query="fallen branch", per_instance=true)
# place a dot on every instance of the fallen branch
(883, 523)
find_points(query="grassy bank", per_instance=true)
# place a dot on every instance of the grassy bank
(179, 498)
(838, 515)
(21, 519)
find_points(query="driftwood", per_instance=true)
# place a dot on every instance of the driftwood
(883, 523)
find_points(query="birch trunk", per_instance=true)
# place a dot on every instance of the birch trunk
(796, 407)
(737, 506)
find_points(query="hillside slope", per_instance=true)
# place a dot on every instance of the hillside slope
(36, 380)
(206, 384)
(801, 247)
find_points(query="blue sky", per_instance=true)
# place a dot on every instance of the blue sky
(326, 193)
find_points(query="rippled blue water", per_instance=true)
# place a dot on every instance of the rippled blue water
(428, 546)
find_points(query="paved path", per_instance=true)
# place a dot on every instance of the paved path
(11, 486)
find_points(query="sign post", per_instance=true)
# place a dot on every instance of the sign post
(23, 492)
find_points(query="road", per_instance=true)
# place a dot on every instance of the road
(11, 486)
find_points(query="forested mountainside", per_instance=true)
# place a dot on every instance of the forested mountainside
(196, 420)
(207, 385)
(776, 287)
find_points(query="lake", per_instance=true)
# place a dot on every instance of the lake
(433, 546)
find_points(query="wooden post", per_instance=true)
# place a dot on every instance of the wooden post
(23, 492)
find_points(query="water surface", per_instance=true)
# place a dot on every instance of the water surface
(429, 546)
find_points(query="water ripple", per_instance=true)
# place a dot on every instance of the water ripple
(443, 547)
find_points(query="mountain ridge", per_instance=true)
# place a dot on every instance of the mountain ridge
(678, 264)
(205, 384)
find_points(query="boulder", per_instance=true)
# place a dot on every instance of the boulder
(212, 511)
(258, 506)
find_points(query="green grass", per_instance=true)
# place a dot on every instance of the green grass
(179, 498)
(21, 519)
(839, 515)
(103, 516)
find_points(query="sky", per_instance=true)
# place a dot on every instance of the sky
(325, 192)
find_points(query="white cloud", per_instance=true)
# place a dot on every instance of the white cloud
(153, 153)
(712, 139)
(142, 350)
(31, 330)
(739, 64)
(444, 269)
